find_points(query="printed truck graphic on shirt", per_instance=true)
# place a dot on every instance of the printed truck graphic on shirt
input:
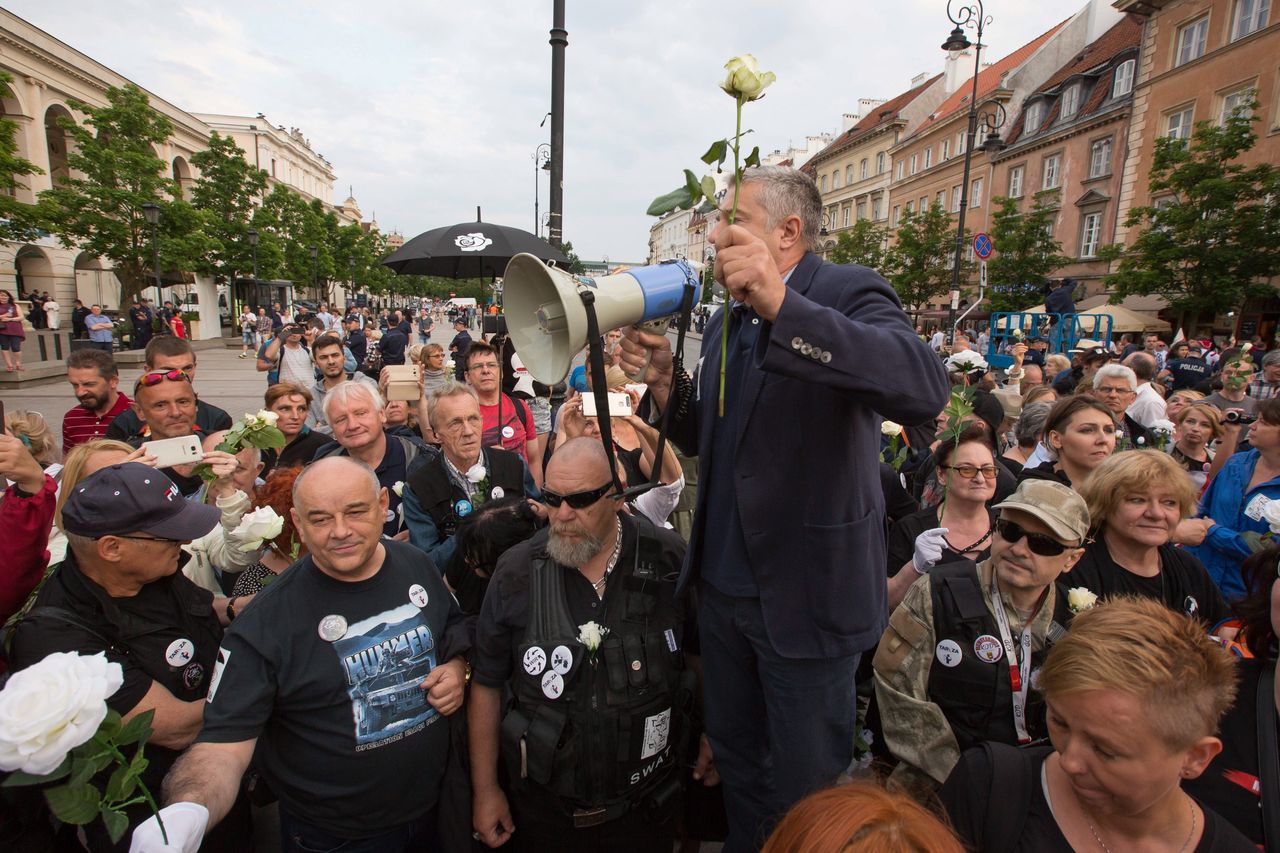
(384, 659)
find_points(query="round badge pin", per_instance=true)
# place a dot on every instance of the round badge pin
(552, 684)
(462, 508)
(180, 652)
(390, 516)
(418, 595)
(1190, 606)
(988, 648)
(561, 660)
(193, 675)
(948, 653)
(508, 431)
(497, 493)
(535, 660)
(332, 627)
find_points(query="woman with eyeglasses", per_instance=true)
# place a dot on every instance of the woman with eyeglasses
(1079, 434)
(960, 527)
(1136, 500)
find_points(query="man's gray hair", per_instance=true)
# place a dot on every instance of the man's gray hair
(448, 389)
(1272, 357)
(1031, 423)
(343, 391)
(788, 192)
(1115, 371)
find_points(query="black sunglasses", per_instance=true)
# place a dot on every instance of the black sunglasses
(1039, 543)
(577, 500)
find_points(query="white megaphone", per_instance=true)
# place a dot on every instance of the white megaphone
(547, 321)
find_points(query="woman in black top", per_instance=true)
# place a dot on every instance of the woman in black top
(291, 404)
(1079, 432)
(1194, 428)
(1136, 499)
(1134, 696)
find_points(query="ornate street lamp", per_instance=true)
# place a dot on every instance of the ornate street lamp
(975, 17)
(151, 211)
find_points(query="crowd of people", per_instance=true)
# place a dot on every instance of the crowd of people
(1024, 609)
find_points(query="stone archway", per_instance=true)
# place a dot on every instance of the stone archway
(95, 284)
(182, 175)
(33, 270)
(11, 109)
(57, 143)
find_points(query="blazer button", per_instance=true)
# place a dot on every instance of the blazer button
(826, 358)
(806, 349)
(816, 354)
(796, 342)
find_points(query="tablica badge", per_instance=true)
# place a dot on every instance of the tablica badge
(948, 653)
(552, 684)
(418, 595)
(180, 652)
(988, 648)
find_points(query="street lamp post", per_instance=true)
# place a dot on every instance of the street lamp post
(315, 284)
(969, 16)
(253, 244)
(151, 211)
(541, 160)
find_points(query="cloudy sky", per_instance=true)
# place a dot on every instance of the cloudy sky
(431, 108)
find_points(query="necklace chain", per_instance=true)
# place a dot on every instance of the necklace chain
(608, 568)
(984, 538)
(1190, 835)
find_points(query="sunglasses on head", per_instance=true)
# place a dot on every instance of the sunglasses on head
(149, 379)
(1039, 543)
(577, 500)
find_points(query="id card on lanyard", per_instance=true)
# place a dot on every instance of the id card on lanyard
(1019, 670)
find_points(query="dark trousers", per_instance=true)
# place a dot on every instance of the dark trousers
(541, 828)
(780, 727)
(105, 346)
(297, 836)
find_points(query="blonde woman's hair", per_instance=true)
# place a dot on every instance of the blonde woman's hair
(1135, 471)
(73, 470)
(1209, 411)
(1039, 393)
(1184, 681)
(32, 430)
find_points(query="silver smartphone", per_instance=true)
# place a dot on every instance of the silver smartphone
(619, 405)
(184, 450)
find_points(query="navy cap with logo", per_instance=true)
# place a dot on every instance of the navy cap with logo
(132, 497)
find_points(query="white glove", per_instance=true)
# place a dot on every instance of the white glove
(929, 547)
(185, 824)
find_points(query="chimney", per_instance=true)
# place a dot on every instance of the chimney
(920, 78)
(848, 120)
(957, 69)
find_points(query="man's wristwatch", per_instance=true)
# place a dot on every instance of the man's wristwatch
(231, 608)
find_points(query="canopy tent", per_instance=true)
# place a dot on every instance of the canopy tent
(1123, 320)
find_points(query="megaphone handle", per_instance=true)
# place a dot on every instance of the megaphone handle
(655, 327)
(599, 386)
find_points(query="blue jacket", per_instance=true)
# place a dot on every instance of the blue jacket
(1224, 548)
(840, 356)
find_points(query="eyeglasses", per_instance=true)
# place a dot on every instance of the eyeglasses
(577, 500)
(484, 367)
(1039, 543)
(966, 471)
(149, 379)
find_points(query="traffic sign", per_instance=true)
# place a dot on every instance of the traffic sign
(982, 246)
(982, 273)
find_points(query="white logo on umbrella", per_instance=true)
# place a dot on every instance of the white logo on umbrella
(475, 242)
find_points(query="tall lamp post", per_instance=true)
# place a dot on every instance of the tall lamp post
(315, 285)
(972, 16)
(151, 211)
(252, 236)
(541, 160)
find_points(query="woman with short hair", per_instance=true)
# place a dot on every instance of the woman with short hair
(1195, 427)
(292, 404)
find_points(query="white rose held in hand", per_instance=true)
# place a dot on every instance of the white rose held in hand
(745, 79)
(258, 527)
(890, 428)
(48, 709)
(1081, 598)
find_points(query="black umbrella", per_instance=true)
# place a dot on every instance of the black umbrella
(468, 250)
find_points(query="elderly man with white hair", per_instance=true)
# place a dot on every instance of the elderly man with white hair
(356, 413)
(1116, 387)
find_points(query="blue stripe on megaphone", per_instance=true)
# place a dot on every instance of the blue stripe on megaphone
(663, 288)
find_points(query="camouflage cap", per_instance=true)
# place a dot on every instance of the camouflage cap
(1064, 511)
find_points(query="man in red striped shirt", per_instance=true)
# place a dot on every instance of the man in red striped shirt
(94, 379)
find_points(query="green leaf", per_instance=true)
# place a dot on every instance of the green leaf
(709, 188)
(717, 152)
(82, 770)
(18, 778)
(122, 783)
(666, 203)
(137, 729)
(111, 725)
(753, 159)
(77, 804)
(117, 824)
(693, 185)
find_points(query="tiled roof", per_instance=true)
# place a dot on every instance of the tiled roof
(989, 80)
(886, 112)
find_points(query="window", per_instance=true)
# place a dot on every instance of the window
(975, 193)
(924, 204)
(1048, 229)
(1015, 181)
(847, 214)
(907, 209)
(1238, 102)
(1123, 83)
(1179, 124)
(1052, 172)
(941, 200)
(897, 214)
(955, 198)
(960, 140)
(1191, 41)
(928, 157)
(824, 183)
(1070, 104)
(901, 167)
(914, 162)
(863, 168)
(1032, 117)
(835, 180)
(946, 150)
(1090, 233)
(1100, 158)
(861, 212)
(880, 163)
(1251, 16)
(876, 208)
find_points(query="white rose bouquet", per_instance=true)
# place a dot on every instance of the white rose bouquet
(258, 431)
(55, 725)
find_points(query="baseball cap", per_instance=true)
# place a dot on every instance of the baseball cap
(1064, 511)
(131, 496)
(1085, 344)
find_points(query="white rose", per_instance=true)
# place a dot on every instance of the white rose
(890, 428)
(745, 79)
(591, 634)
(266, 418)
(1080, 598)
(258, 527)
(1271, 515)
(476, 473)
(48, 709)
(250, 421)
(398, 488)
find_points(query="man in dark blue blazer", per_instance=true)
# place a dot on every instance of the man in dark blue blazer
(787, 547)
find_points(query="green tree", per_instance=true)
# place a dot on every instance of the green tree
(1211, 237)
(863, 244)
(920, 261)
(102, 212)
(1026, 252)
(225, 193)
(17, 220)
(575, 263)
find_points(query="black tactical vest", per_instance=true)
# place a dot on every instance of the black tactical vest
(976, 696)
(441, 498)
(602, 729)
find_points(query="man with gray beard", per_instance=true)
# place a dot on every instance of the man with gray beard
(582, 625)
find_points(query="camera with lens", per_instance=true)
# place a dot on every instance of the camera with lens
(1238, 417)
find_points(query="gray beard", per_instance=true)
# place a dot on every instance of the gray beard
(575, 555)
